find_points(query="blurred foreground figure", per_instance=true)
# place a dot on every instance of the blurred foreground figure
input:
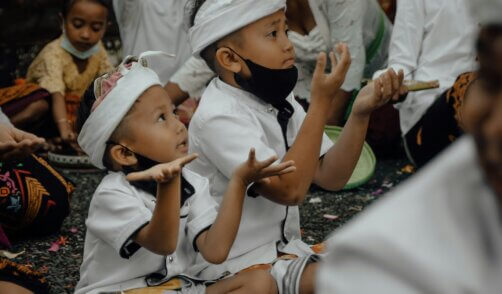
(441, 232)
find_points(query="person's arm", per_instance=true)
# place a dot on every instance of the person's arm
(290, 189)
(189, 80)
(160, 235)
(215, 243)
(339, 162)
(177, 95)
(60, 117)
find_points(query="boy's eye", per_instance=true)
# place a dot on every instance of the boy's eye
(96, 27)
(162, 118)
(77, 23)
(272, 34)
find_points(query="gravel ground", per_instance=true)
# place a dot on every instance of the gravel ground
(62, 267)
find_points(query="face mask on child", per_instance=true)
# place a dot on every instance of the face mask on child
(150, 187)
(68, 46)
(271, 85)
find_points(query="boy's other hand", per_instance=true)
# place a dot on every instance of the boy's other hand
(16, 144)
(162, 173)
(253, 170)
(326, 85)
(387, 88)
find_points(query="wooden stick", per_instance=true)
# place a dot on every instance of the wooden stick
(414, 86)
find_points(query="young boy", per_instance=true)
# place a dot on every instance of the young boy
(251, 104)
(148, 218)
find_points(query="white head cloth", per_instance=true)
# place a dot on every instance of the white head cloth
(115, 94)
(486, 11)
(219, 18)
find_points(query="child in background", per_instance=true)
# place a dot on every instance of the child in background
(251, 104)
(149, 217)
(67, 66)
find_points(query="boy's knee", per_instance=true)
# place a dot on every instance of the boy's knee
(38, 108)
(264, 282)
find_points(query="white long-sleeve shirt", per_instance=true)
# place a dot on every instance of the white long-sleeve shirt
(440, 232)
(157, 25)
(432, 40)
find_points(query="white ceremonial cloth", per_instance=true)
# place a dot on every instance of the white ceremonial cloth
(154, 25)
(219, 18)
(439, 232)
(432, 40)
(354, 22)
(103, 121)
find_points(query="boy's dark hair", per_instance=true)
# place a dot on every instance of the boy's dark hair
(84, 111)
(68, 4)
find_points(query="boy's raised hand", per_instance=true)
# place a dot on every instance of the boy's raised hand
(253, 170)
(387, 88)
(164, 172)
(326, 85)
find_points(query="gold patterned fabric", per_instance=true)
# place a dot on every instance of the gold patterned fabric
(34, 197)
(54, 70)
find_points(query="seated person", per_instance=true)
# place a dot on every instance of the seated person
(67, 66)
(150, 217)
(432, 40)
(441, 231)
(251, 104)
(34, 201)
(443, 122)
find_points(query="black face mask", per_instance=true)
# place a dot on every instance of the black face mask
(271, 85)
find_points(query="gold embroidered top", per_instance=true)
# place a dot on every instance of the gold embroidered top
(54, 70)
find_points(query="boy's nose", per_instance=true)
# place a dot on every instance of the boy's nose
(288, 46)
(84, 34)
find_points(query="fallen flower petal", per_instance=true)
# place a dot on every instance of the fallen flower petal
(330, 216)
(54, 247)
(10, 255)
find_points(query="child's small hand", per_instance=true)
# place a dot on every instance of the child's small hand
(327, 85)
(164, 172)
(387, 88)
(253, 171)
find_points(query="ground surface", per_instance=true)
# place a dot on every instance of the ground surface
(62, 266)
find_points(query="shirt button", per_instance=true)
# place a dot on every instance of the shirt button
(171, 259)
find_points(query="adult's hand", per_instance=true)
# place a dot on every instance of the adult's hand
(17, 144)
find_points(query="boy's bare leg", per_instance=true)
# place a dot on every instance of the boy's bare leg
(256, 281)
(7, 287)
(307, 280)
(32, 113)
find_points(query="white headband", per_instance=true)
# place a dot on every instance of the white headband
(486, 12)
(219, 18)
(134, 78)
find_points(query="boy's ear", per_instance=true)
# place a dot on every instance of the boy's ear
(228, 60)
(122, 156)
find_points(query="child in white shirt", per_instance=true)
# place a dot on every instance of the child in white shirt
(149, 218)
(251, 104)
